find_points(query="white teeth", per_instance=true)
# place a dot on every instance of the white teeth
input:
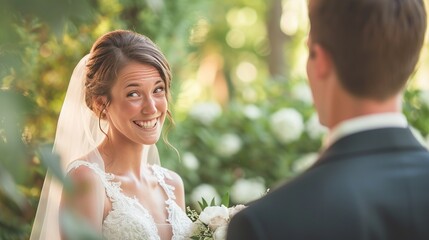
(146, 124)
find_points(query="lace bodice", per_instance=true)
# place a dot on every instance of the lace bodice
(128, 219)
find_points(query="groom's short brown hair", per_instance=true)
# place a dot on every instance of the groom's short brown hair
(374, 44)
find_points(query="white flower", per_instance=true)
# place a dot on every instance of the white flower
(228, 145)
(214, 216)
(287, 125)
(220, 233)
(190, 161)
(304, 162)
(206, 191)
(314, 129)
(252, 112)
(302, 92)
(205, 112)
(212, 222)
(246, 190)
(234, 210)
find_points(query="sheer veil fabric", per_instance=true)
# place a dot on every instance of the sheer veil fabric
(77, 137)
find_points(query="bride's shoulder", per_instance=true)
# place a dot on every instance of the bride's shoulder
(81, 165)
(84, 171)
(88, 163)
(86, 192)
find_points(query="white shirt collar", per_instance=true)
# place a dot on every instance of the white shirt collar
(366, 122)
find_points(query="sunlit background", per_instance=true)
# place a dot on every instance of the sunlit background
(243, 110)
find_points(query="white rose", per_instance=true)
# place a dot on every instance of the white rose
(252, 112)
(246, 190)
(228, 145)
(302, 92)
(190, 161)
(220, 233)
(287, 125)
(234, 210)
(314, 129)
(205, 112)
(206, 191)
(215, 216)
(304, 162)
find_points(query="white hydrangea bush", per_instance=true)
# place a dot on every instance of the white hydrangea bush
(244, 147)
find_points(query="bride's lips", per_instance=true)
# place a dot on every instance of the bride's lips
(146, 124)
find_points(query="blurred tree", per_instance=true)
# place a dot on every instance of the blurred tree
(277, 65)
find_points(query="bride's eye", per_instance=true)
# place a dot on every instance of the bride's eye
(133, 94)
(159, 89)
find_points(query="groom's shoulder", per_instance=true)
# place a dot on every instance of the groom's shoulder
(291, 194)
(299, 193)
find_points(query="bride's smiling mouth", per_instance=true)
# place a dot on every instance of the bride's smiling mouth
(146, 124)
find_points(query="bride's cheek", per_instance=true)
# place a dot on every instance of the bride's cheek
(162, 104)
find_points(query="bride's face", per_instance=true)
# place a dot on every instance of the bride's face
(138, 104)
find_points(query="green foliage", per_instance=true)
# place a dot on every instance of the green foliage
(203, 203)
(76, 228)
(225, 200)
(41, 42)
(416, 108)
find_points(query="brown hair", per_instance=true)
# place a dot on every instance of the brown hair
(374, 44)
(109, 54)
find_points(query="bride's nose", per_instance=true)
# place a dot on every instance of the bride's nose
(149, 106)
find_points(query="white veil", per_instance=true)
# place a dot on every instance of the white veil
(77, 135)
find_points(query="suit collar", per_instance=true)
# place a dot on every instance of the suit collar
(383, 139)
(366, 122)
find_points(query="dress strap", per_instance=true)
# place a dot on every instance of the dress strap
(93, 166)
(112, 188)
(160, 174)
(180, 223)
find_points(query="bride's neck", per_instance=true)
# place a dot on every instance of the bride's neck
(121, 158)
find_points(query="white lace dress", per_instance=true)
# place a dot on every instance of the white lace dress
(128, 219)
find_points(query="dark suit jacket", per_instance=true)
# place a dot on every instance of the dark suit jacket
(368, 185)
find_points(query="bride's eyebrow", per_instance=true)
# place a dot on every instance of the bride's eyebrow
(133, 84)
(159, 81)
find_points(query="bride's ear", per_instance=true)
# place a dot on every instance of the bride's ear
(100, 106)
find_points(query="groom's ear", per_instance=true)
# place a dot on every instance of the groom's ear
(322, 60)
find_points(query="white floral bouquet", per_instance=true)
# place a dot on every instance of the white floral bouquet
(212, 222)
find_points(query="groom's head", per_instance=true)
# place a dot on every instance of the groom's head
(373, 45)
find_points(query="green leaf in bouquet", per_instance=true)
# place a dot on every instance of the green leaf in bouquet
(225, 199)
(213, 202)
(203, 204)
